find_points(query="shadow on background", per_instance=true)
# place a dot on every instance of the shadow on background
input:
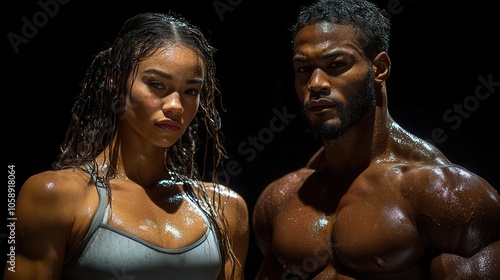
(441, 54)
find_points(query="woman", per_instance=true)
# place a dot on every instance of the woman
(125, 199)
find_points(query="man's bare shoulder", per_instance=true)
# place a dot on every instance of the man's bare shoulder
(449, 202)
(285, 186)
(448, 178)
(439, 190)
(416, 178)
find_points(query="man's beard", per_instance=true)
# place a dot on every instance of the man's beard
(356, 107)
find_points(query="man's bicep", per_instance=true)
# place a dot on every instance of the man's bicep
(485, 264)
(261, 224)
(457, 212)
(270, 267)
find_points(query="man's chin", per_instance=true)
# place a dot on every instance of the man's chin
(323, 134)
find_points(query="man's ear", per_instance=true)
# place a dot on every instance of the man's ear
(381, 67)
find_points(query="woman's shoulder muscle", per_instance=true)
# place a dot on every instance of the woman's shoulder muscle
(51, 199)
(233, 203)
(236, 213)
(45, 214)
(52, 190)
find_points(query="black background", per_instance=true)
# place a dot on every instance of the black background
(438, 51)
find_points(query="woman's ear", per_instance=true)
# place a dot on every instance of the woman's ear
(381, 67)
(110, 83)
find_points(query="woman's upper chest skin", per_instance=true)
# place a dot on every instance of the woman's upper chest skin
(163, 217)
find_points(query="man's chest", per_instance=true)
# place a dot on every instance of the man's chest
(359, 234)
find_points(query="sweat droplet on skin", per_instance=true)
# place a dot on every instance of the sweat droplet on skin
(175, 199)
(379, 262)
(174, 231)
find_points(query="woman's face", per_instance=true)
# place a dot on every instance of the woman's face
(164, 97)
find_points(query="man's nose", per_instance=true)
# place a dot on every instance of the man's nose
(319, 84)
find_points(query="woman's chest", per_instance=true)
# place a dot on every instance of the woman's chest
(167, 220)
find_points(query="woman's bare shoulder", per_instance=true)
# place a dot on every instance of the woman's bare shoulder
(50, 183)
(233, 204)
(52, 192)
(225, 193)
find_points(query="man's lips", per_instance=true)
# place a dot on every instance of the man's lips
(320, 105)
(168, 125)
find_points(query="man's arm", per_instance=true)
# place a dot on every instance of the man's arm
(485, 264)
(459, 217)
(270, 268)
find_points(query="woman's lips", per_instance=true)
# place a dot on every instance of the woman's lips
(168, 125)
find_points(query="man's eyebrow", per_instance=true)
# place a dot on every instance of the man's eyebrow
(330, 54)
(333, 53)
(169, 76)
(299, 58)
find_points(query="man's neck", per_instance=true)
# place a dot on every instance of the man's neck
(357, 147)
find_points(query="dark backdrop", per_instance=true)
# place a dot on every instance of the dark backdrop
(440, 55)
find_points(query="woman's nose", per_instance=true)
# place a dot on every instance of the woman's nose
(171, 104)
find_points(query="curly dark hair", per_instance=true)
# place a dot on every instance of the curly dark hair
(368, 19)
(99, 106)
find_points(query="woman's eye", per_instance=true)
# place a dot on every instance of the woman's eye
(156, 85)
(192, 92)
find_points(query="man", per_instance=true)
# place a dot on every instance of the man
(375, 202)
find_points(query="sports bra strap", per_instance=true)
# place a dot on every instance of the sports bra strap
(101, 215)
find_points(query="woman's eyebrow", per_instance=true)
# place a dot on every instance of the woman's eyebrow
(162, 74)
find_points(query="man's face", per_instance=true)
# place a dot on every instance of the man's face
(333, 80)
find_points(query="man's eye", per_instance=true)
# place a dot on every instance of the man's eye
(337, 64)
(303, 69)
